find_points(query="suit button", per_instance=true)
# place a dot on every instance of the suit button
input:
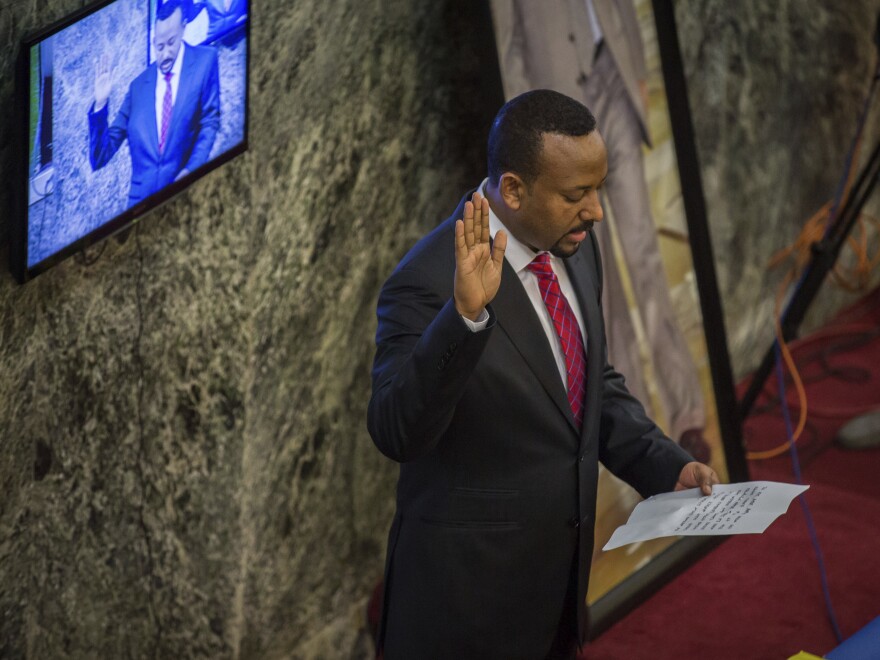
(581, 459)
(574, 523)
(582, 78)
(571, 37)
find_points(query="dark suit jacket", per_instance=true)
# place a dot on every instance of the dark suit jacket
(194, 123)
(497, 488)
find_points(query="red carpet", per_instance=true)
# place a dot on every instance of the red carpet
(760, 596)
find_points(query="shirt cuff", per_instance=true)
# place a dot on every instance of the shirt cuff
(481, 322)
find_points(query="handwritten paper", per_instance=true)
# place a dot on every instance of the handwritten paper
(744, 508)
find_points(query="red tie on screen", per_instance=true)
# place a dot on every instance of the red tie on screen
(166, 111)
(569, 333)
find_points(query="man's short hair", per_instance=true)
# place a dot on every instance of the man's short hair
(516, 136)
(167, 8)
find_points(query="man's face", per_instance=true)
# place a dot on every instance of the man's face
(167, 38)
(560, 206)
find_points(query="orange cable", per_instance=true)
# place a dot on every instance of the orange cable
(826, 333)
(796, 378)
(856, 280)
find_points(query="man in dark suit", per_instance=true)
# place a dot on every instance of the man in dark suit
(170, 114)
(492, 388)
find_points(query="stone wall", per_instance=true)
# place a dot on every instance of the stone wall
(776, 91)
(186, 470)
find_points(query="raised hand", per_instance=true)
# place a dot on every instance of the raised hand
(102, 82)
(478, 262)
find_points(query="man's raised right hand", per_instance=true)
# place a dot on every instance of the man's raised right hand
(478, 261)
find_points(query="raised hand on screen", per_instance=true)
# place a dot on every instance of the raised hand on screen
(102, 82)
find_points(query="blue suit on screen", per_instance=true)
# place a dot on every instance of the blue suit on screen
(195, 120)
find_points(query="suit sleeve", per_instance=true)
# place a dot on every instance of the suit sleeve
(104, 141)
(425, 355)
(631, 445)
(209, 116)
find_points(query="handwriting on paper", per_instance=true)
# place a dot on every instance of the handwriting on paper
(721, 512)
(746, 508)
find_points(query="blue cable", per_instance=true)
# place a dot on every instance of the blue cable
(796, 466)
(795, 461)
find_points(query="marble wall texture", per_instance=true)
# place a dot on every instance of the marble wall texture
(776, 91)
(186, 470)
(185, 467)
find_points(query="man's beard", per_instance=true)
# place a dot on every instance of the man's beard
(557, 251)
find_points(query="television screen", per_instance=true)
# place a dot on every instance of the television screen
(122, 106)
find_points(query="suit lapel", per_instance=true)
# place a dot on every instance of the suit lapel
(582, 268)
(518, 320)
(183, 86)
(149, 93)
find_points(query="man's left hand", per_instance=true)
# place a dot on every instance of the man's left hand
(697, 475)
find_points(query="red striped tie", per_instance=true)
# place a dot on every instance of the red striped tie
(166, 111)
(569, 333)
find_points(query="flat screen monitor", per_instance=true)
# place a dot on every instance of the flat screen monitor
(120, 107)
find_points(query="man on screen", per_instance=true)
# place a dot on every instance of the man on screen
(170, 114)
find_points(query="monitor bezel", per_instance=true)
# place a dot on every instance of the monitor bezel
(18, 258)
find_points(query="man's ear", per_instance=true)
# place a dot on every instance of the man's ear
(511, 187)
